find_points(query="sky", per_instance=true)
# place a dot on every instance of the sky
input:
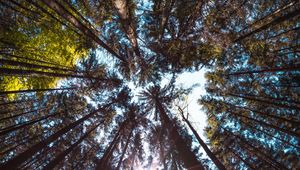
(197, 116)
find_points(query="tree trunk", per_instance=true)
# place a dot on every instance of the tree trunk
(295, 123)
(241, 159)
(123, 10)
(22, 125)
(31, 73)
(268, 70)
(268, 134)
(187, 156)
(35, 60)
(102, 163)
(62, 155)
(267, 124)
(275, 21)
(18, 102)
(51, 15)
(264, 101)
(263, 156)
(125, 149)
(30, 65)
(21, 158)
(35, 90)
(203, 144)
(59, 9)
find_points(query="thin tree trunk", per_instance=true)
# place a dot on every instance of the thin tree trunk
(51, 15)
(59, 9)
(30, 65)
(280, 9)
(295, 123)
(256, 151)
(21, 158)
(268, 134)
(241, 159)
(35, 90)
(187, 156)
(18, 102)
(34, 60)
(23, 113)
(268, 70)
(22, 125)
(102, 163)
(264, 101)
(21, 72)
(267, 124)
(122, 8)
(62, 155)
(253, 152)
(19, 143)
(278, 99)
(203, 144)
(125, 149)
(275, 21)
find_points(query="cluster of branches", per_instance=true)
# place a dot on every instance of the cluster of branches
(92, 121)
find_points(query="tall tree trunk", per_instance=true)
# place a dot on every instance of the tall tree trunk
(17, 102)
(38, 61)
(35, 90)
(23, 113)
(241, 159)
(21, 72)
(256, 150)
(268, 134)
(123, 10)
(203, 144)
(22, 125)
(30, 65)
(62, 155)
(267, 124)
(18, 143)
(277, 99)
(125, 149)
(264, 101)
(267, 70)
(295, 123)
(59, 9)
(52, 16)
(252, 152)
(102, 163)
(274, 22)
(21, 158)
(187, 156)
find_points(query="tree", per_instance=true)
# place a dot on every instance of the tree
(82, 84)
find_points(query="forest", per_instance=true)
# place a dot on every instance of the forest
(92, 84)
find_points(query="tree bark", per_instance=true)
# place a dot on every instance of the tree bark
(187, 156)
(21, 158)
(59, 9)
(102, 163)
(30, 65)
(241, 159)
(125, 149)
(203, 144)
(267, 124)
(34, 90)
(31, 73)
(22, 125)
(62, 155)
(264, 101)
(268, 70)
(275, 21)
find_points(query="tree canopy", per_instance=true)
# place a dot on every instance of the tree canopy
(91, 84)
